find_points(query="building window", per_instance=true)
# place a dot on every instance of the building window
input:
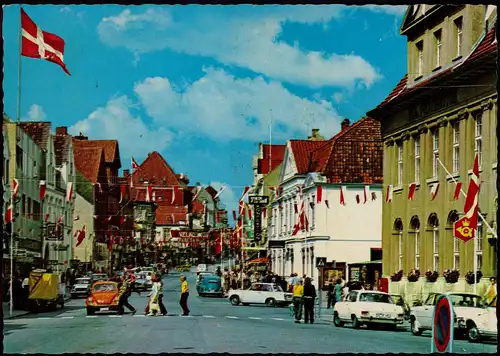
(478, 137)
(420, 63)
(479, 246)
(290, 207)
(456, 147)
(434, 224)
(417, 159)
(416, 227)
(439, 43)
(400, 164)
(435, 153)
(282, 221)
(456, 253)
(458, 32)
(398, 230)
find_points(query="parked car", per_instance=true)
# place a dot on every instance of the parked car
(484, 324)
(270, 294)
(104, 296)
(201, 268)
(81, 288)
(465, 305)
(142, 283)
(399, 300)
(99, 277)
(368, 308)
(209, 285)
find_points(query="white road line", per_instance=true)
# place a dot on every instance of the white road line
(115, 316)
(91, 316)
(280, 319)
(254, 318)
(209, 316)
(139, 316)
(232, 317)
(67, 317)
(43, 318)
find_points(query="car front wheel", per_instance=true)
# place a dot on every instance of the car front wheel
(235, 300)
(473, 334)
(271, 302)
(355, 322)
(336, 320)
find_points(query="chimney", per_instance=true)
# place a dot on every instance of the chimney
(62, 130)
(315, 132)
(345, 124)
(315, 136)
(81, 137)
(126, 173)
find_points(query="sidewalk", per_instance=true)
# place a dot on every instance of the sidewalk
(18, 313)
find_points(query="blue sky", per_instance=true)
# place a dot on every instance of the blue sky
(199, 84)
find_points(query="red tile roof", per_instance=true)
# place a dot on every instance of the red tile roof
(486, 46)
(61, 146)
(273, 153)
(156, 171)
(39, 131)
(110, 147)
(169, 215)
(89, 162)
(302, 150)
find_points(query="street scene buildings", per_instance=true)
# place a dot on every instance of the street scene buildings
(392, 205)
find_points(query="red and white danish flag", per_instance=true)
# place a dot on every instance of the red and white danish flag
(411, 191)
(69, 192)
(458, 190)
(366, 193)
(8, 215)
(47, 216)
(134, 164)
(80, 237)
(40, 44)
(389, 193)
(122, 192)
(175, 193)
(197, 191)
(434, 190)
(15, 188)
(149, 193)
(220, 192)
(342, 194)
(43, 189)
(245, 193)
(319, 194)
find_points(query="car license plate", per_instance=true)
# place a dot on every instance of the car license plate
(104, 309)
(383, 316)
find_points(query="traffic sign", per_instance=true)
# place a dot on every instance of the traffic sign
(258, 200)
(442, 326)
(320, 262)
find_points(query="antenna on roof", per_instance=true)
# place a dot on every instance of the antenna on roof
(270, 138)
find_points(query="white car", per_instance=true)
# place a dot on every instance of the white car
(368, 308)
(81, 288)
(483, 325)
(465, 306)
(99, 277)
(270, 294)
(201, 268)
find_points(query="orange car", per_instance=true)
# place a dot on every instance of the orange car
(103, 297)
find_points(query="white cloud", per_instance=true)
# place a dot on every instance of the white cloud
(115, 121)
(338, 97)
(36, 113)
(397, 10)
(243, 37)
(221, 107)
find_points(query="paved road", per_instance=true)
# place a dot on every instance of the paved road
(214, 326)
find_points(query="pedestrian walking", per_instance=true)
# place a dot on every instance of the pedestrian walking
(331, 295)
(338, 291)
(124, 294)
(298, 293)
(491, 291)
(309, 298)
(184, 296)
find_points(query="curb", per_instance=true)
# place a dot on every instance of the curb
(27, 312)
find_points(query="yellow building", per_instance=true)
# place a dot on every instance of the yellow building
(443, 110)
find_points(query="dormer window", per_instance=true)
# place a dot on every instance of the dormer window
(420, 63)
(439, 43)
(458, 34)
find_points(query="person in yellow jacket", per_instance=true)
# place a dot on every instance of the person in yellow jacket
(184, 296)
(298, 292)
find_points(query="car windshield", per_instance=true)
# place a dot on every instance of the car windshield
(104, 287)
(82, 281)
(375, 298)
(466, 300)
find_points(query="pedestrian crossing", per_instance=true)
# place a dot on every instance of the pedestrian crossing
(180, 316)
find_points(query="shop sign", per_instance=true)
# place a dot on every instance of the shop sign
(30, 245)
(257, 223)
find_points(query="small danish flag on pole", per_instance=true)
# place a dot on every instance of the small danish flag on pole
(40, 44)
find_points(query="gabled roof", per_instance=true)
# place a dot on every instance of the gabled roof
(272, 156)
(156, 171)
(88, 162)
(301, 150)
(39, 131)
(109, 147)
(169, 215)
(484, 47)
(62, 144)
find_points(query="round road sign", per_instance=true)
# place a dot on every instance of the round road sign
(443, 324)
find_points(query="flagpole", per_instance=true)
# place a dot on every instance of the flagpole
(483, 219)
(11, 258)
(475, 261)
(19, 69)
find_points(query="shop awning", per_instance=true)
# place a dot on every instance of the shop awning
(259, 260)
(366, 263)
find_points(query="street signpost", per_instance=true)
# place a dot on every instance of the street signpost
(258, 201)
(442, 326)
(320, 263)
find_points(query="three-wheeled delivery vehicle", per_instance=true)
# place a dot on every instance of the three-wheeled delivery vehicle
(44, 291)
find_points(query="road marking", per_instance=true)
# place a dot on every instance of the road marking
(254, 318)
(280, 319)
(139, 316)
(209, 316)
(91, 316)
(43, 318)
(115, 316)
(67, 317)
(232, 317)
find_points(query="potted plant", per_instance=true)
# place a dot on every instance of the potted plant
(431, 276)
(397, 276)
(469, 277)
(414, 275)
(451, 276)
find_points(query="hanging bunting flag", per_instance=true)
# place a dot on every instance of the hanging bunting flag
(172, 216)
(327, 204)
(343, 189)
(149, 193)
(122, 192)
(134, 164)
(110, 243)
(264, 212)
(389, 193)
(47, 216)
(99, 186)
(8, 215)
(458, 189)
(15, 188)
(37, 43)
(434, 190)
(358, 199)
(123, 219)
(108, 219)
(245, 193)
(43, 189)
(69, 192)
(197, 191)
(366, 193)
(411, 191)
(175, 193)
(319, 194)
(234, 215)
(80, 236)
(220, 192)
(464, 228)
